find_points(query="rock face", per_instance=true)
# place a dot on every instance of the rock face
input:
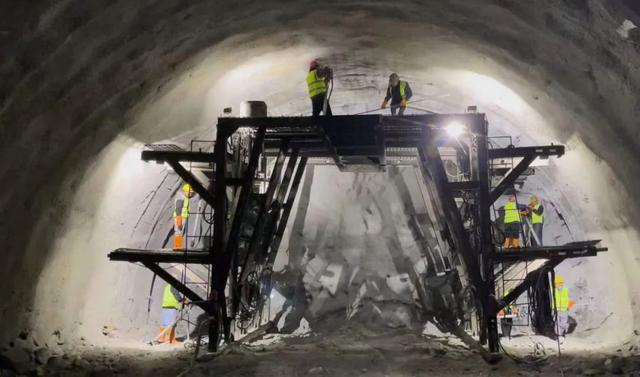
(26, 354)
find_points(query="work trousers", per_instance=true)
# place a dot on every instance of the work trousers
(398, 108)
(563, 323)
(317, 104)
(169, 316)
(537, 229)
(512, 230)
(507, 325)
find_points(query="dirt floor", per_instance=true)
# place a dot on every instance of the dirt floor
(392, 354)
(351, 350)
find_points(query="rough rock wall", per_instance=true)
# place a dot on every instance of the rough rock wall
(78, 74)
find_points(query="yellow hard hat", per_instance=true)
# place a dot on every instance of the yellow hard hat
(559, 280)
(186, 187)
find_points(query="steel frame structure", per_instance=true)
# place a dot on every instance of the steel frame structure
(351, 142)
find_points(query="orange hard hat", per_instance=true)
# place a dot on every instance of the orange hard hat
(313, 64)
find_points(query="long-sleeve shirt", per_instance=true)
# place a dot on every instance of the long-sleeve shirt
(539, 210)
(176, 293)
(393, 93)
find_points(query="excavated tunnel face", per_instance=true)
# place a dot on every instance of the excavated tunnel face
(85, 85)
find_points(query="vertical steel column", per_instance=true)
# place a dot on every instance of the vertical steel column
(489, 309)
(218, 252)
(240, 212)
(433, 169)
(274, 180)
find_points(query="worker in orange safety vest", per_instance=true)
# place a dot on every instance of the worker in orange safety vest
(181, 215)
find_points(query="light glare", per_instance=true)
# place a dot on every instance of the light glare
(455, 129)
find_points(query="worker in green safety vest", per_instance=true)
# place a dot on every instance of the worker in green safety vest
(317, 82)
(562, 304)
(512, 222)
(181, 215)
(172, 301)
(536, 212)
(399, 92)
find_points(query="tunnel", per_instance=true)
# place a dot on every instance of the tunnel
(85, 85)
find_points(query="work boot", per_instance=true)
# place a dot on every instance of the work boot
(172, 337)
(178, 241)
(162, 338)
(516, 242)
(507, 243)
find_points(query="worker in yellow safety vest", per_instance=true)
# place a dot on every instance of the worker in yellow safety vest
(181, 217)
(512, 222)
(171, 303)
(536, 211)
(562, 304)
(399, 92)
(317, 82)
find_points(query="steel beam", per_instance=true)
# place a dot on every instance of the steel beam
(159, 256)
(274, 182)
(282, 224)
(509, 179)
(195, 184)
(219, 257)
(435, 176)
(572, 250)
(527, 282)
(186, 291)
(241, 210)
(537, 151)
(276, 205)
(177, 156)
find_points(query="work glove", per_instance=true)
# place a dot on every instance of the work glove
(384, 104)
(404, 103)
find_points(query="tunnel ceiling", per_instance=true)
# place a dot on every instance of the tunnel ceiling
(77, 74)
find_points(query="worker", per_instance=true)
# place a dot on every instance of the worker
(535, 211)
(399, 92)
(512, 222)
(506, 316)
(562, 304)
(181, 217)
(171, 302)
(317, 80)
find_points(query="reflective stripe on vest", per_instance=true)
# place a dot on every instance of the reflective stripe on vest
(316, 84)
(403, 88)
(535, 218)
(511, 213)
(562, 299)
(168, 299)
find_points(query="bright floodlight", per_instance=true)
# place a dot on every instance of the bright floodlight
(455, 129)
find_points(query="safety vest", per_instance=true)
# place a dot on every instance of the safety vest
(316, 84)
(535, 218)
(403, 89)
(511, 213)
(168, 299)
(562, 299)
(185, 208)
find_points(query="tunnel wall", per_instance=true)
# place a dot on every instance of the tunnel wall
(80, 74)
